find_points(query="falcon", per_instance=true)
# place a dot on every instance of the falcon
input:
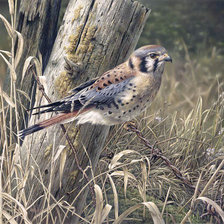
(118, 96)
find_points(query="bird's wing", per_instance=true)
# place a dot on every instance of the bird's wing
(106, 95)
(102, 91)
(64, 105)
(89, 97)
(93, 92)
(83, 86)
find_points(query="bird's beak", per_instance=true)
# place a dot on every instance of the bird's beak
(165, 57)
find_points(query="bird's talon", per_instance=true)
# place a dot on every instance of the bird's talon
(129, 125)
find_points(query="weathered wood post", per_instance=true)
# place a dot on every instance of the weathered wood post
(97, 35)
(37, 22)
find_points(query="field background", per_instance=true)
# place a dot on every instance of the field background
(185, 120)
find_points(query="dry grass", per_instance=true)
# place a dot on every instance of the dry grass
(185, 122)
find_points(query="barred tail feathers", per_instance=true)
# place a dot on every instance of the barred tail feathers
(60, 118)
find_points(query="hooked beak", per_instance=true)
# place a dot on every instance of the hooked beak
(165, 57)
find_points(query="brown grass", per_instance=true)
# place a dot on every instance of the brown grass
(185, 122)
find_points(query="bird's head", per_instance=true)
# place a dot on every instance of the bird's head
(149, 59)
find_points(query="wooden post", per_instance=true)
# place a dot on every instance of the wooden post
(37, 22)
(96, 35)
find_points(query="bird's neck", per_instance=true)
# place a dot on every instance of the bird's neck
(158, 73)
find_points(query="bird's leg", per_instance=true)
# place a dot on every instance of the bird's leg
(130, 126)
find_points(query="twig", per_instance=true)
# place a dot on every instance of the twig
(41, 88)
(156, 152)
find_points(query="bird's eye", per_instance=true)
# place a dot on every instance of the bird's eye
(153, 55)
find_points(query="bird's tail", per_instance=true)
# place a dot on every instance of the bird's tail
(60, 118)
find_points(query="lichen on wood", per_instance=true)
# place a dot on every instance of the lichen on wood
(77, 13)
(63, 84)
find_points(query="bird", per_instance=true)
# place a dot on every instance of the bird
(116, 97)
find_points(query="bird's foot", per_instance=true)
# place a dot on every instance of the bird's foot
(129, 125)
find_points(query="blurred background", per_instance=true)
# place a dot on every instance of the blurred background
(199, 24)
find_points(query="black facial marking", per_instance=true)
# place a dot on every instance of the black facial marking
(99, 88)
(143, 65)
(155, 65)
(109, 82)
(116, 79)
(109, 112)
(104, 84)
(117, 107)
(153, 55)
(131, 64)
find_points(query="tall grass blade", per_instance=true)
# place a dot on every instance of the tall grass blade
(7, 98)
(62, 162)
(114, 161)
(155, 213)
(11, 7)
(12, 71)
(8, 27)
(214, 205)
(20, 206)
(99, 204)
(6, 52)
(9, 218)
(126, 213)
(105, 212)
(19, 50)
(116, 208)
(125, 169)
(27, 64)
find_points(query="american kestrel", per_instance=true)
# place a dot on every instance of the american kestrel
(119, 95)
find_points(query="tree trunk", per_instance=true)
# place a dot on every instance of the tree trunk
(96, 35)
(37, 22)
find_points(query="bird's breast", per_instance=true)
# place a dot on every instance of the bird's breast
(141, 89)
